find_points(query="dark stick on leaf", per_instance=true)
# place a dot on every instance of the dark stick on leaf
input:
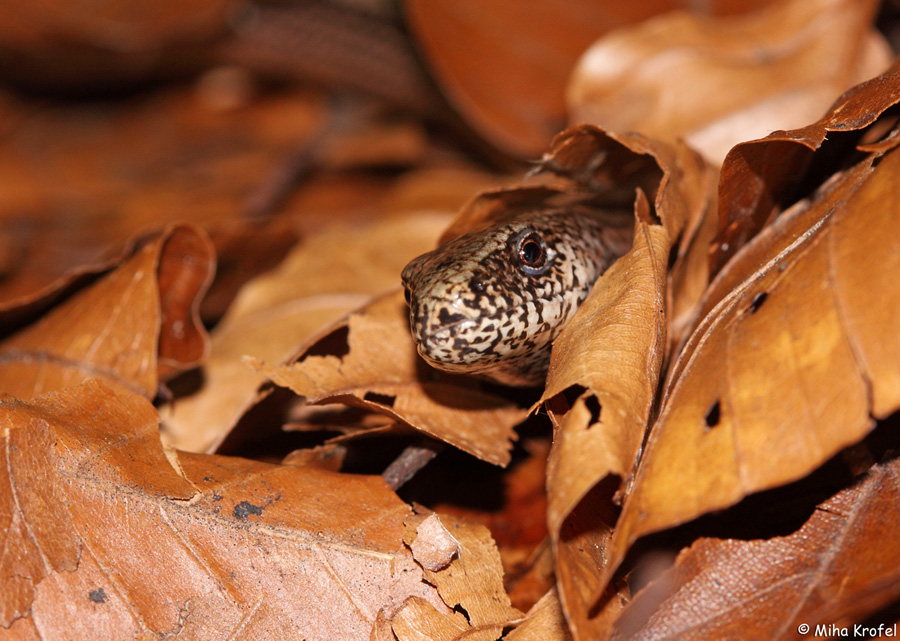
(411, 460)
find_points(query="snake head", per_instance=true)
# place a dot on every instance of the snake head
(492, 301)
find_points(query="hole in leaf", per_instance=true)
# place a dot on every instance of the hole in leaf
(336, 343)
(593, 406)
(757, 302)
(713, 415)
(382, 399)
(572, 393)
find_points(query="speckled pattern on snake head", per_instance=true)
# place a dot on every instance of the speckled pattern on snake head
(491, 302)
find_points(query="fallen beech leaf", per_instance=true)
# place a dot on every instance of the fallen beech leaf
(421, 621)
(544, 622)
(615, 351)
(508, 81)
(799, 341)
(579, 545)
(715, 83)
(383, 373)
(720, 589)
(134, 326)
(116, 543)
(758, 176)
(615, 346)
(473, 580)
(320, 281)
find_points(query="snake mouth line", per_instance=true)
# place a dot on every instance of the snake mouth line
(434, 339)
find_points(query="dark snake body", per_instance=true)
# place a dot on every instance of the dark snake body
(491, 302)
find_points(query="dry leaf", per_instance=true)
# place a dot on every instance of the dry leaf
(135, 326)
(759, 176)
(81, 179)
(615, 347)
(73, 44)
(473, 580)
(116, 543)
(715, 83)
(421, 621)
(722, 589)
(508, 81)
(544, 622)
(434, 547)
(320, 281)
(383, 373)
(799, 341)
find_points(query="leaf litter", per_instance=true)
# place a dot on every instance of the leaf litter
(741, 351)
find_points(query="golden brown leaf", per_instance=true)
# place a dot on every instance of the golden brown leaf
(795, 343)
(473, 580)
(758, 176)
(720, 589)
(544, 622)
(320, 281)
(133, 327)
(117, 543)
(421, 621)
(81, 180)
(715, 83)
(615, 347)
(383, 373)
(508, 81)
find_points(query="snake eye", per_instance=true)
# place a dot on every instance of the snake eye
(531, 251)
(533, 254)
(408, 295)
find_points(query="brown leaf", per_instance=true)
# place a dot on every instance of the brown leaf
(615, 347)
(421, 621)
(720, 589)
(758, 176)
(320, 281)
(81, 179)
(473, 580)
(715, 83)
(508, 80)
(383, 373)
(136, 325)
(544, 622)
(121, 540)
(798, 341)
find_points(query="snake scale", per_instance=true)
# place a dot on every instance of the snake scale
(492, 301)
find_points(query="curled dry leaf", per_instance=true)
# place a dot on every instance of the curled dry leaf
(758, 176)
(133, 327)
(615, 346)
(320, 281)
(719, 588)
(716, 83)
(381, 372)
(118, 539)
(789, 366)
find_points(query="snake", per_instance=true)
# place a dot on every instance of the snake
(492, 301)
